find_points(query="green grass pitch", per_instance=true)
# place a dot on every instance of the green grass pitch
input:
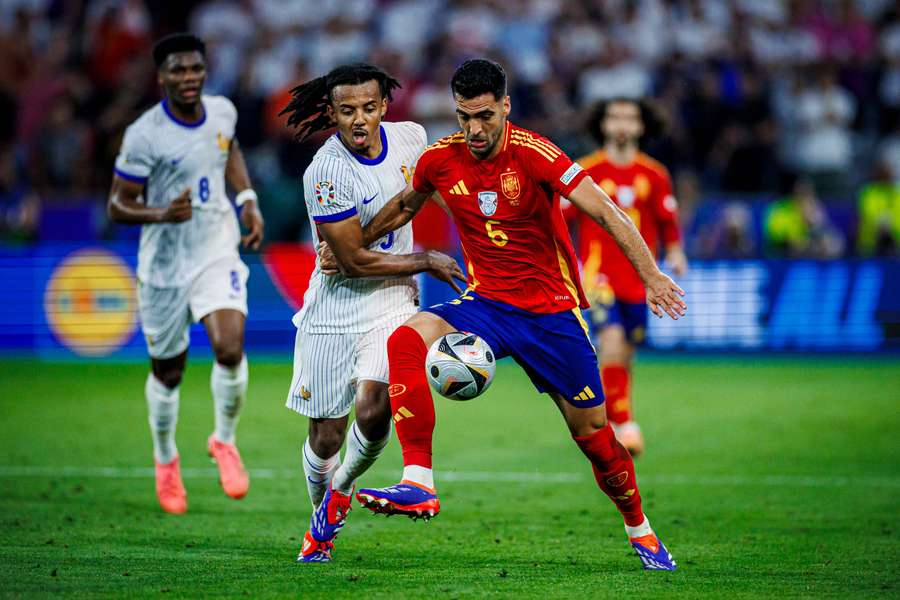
(765, 477)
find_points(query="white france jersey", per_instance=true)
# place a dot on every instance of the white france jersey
(338, 185)
(168, 156)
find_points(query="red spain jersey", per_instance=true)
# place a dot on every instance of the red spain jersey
(506, 209)
(643, 190)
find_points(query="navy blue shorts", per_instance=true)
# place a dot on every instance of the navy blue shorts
(554, 349)
(632, 316)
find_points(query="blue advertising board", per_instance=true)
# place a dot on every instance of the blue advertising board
(79, 301)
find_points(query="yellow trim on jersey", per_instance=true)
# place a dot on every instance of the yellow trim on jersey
(592, 263)
(566, 274)
(534, 147)
(456, 138)
(547, 146)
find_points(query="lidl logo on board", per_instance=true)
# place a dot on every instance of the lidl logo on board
(90, 302)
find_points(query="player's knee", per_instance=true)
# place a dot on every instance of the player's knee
(587, 424)
(326, 442)
(229, 354)
(171, 378)
(406, 343)
(374, 418)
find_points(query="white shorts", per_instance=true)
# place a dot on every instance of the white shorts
(328, 365)
(166, 313)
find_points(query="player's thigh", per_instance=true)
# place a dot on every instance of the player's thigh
(321, 384)
(165, 320)
(429, 326)
(556, 352)
(471, 314)
(222, 286)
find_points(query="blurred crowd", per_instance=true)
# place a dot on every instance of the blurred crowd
(783, 116)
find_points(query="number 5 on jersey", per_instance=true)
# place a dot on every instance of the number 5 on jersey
(497, 236)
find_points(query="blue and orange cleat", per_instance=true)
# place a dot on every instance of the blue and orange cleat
(406, 498)
(329, 517)
(314, 551)
(653, 553)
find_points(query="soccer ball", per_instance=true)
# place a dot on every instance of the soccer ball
(460, 366)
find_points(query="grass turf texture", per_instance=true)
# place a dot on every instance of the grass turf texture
(765, 478)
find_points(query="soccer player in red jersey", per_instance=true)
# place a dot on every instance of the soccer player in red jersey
(642, 188)
(524, 297)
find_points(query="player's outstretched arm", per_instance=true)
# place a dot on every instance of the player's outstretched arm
(354, 259)
(663, 294)
(124, 205)
(398, 211)
(238, 178)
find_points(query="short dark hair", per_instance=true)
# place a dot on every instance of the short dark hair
(479, 76)
(307, 109)
(651, 115)
(177, 42)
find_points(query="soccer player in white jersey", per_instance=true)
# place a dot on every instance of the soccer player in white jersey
(170, 178)
(340, 355)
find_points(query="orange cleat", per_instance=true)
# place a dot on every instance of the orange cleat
(232, 475)
(169, 488)
(629, 435)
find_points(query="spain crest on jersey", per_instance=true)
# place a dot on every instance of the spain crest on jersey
(509, 183)
(324, 192)
(487, 202)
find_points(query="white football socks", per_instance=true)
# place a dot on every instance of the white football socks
(162, 404)
(319, 472)
(229, 387)
(421, 475)
(360, 455)
(640, 530)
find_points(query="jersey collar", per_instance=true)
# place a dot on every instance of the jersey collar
(368, 161)
(165, 106)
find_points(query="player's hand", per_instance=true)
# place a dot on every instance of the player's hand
(677, 261)
(327, 263)
(180, 209)
(252, 219)
(664, 296)
(446, 269)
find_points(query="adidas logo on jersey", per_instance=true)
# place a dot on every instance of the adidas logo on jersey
(460, 189)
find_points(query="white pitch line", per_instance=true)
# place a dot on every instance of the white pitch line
(786, 481)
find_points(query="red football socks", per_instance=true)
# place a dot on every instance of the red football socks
(411, 402)
(617, 389)
(614, 472)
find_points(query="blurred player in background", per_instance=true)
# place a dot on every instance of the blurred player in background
(170, 178)
(500, 183)
(642, 188)
(340, 355)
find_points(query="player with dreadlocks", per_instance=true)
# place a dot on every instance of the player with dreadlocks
(340, 354)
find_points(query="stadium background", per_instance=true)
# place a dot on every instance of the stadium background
(766, 174)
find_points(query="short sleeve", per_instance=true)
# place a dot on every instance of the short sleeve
(425, 171)
(229, 110)
(549, 164)
(329, 191)
(135, 160)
